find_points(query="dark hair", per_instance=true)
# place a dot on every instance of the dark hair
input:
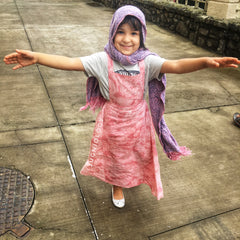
(136, 25)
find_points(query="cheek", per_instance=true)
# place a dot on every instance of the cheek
(115, 44)
(115, 40)
(137, 42)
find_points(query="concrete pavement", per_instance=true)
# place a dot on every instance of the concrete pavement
(43, 134)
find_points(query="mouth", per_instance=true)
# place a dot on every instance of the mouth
(126, 47)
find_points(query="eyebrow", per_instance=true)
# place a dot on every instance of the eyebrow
(122, 29)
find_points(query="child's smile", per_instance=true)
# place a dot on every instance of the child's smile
(127, 40)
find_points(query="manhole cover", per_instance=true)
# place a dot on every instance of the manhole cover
(16, 199)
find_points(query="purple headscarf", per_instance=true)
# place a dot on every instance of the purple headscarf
(118, 17)
(156, 87)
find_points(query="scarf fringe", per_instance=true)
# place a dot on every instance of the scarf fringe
(94, 103)
(184, 151)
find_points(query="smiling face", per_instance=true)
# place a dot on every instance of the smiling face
(127, 39)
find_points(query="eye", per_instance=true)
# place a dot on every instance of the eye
(120, 32)
(135, 33)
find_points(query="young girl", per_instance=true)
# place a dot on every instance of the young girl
(123, 149)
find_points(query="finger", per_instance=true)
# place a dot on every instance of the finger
(226, 62)
(11, 55)
(17, 67)
(229, 65)
(236, 61)
(10, 60)
(233, 65)
(233, 62)
(230, 60)
(22, 52)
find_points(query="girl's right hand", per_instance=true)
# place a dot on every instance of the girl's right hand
(22, 58)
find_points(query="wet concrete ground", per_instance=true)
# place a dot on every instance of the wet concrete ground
(43, 134)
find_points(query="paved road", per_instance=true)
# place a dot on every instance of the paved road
(43, 134)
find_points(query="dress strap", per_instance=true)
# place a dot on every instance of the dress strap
(142, 67)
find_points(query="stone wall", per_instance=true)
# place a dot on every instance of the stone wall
(220, 36)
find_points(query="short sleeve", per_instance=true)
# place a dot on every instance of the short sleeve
(96, 65)
(153, 67)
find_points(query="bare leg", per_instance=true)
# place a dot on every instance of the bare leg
(118, 197)
(117, 192)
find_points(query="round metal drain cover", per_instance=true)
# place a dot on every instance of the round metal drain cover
(16, 199)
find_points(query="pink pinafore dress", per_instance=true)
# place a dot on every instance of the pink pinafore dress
(123, 148)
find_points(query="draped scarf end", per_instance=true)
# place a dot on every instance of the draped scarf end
(184, 151)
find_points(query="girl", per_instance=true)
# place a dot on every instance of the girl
(123, 149)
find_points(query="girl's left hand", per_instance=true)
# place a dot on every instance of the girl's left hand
(223, 62)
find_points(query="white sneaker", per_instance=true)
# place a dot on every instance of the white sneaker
(119, 203)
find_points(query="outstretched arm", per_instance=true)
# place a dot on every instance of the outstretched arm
(193, 64)
(25, 58)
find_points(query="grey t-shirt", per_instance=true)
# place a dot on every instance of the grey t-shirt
(97, 65)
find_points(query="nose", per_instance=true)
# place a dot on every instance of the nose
(126, 38)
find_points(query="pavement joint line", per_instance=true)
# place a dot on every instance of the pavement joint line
(203, 108)
(43, 127)
(27, 129)
(222, 86)
(29, 144)
(194, 222)
(58, 123)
